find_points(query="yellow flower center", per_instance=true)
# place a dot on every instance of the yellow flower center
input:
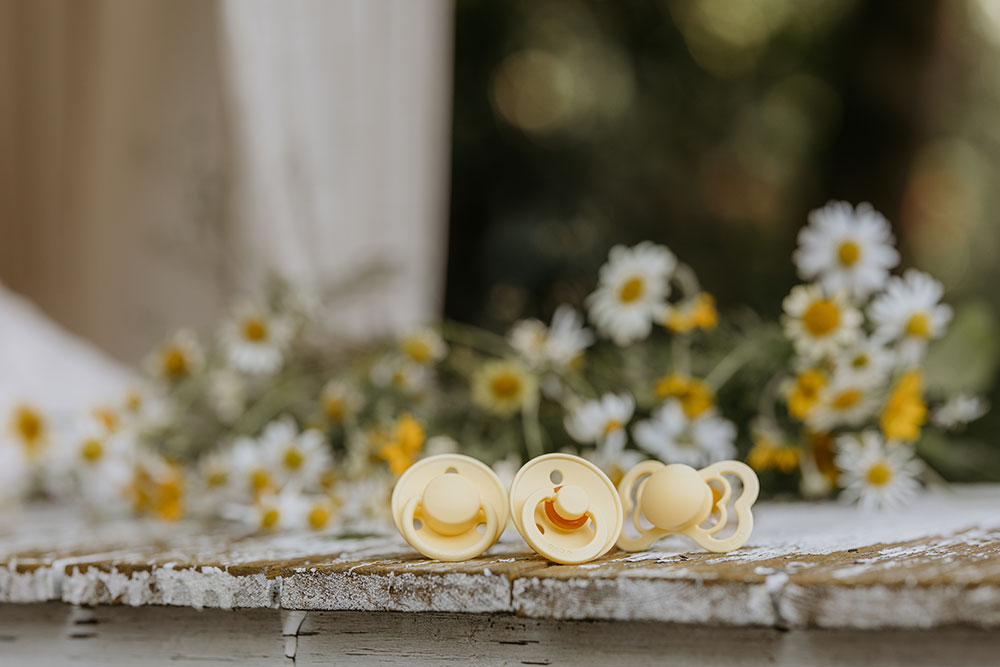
(848, 253)
(505, 386)
(254, 329)
(612, 425)
(919, 326)
(92, 450)
(107, 417)
(846, 399)
(879, 474)
(631, 290)
(269, 519)
(860, 361)
(217, 478)
(334, 408)
(417, 349)
(260, 480)
(29, 425)
(821, 317)
(133, 401)
(173, 362)
(294, 458)
(319, 516)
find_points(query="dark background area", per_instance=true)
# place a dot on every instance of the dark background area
(715, 127)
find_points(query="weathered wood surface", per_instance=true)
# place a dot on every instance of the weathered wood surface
(936, 564)
(55, 634)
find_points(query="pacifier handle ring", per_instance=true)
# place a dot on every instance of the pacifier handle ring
(744, 516)
(410, 533)
(646, 536)
(588, 552)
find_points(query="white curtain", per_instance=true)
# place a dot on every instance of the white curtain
(159, 156)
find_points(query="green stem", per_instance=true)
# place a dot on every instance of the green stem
(476, 338)
(728, 366)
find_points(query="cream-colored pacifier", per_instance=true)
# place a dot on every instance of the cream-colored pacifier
(565, 508)
(449, 507)
(678, 499)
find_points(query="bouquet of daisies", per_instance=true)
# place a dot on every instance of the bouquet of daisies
(852, 404)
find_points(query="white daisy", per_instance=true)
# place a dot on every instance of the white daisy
(227, 394)
(14, 475)
(673, 438)
(602, 422)
(287, 510)
(910, 312)
(145, 407)
(440, 444)
(846, 249)
(253, 469)
(560, 344)
(614, 463)
(424, 346)
(960, 410)
(97, 461)
(177, 358)
(397, 372)
(255, 340)
(298, 457)
(632, 290)
(818, 324)
(846, 400)
(217, 475)
(874, 474)
(867, 359)
(340, 401)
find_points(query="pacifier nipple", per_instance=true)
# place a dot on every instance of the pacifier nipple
(675, 497)
(569, 506)
(449, 507)
(565, 508)
(450, 504)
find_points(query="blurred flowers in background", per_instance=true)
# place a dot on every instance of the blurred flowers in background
(283, 425)
(856, 379)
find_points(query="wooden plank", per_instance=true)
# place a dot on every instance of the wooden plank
(54, 634)
(936, 564)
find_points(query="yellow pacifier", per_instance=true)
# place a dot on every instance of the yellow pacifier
(449, 507)
(565, 508)
(678, 499)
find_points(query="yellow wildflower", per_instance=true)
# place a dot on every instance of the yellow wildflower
(905, 411)
(698, 313)
(694, 395)
(768, 452)
(804, 393)
(160, 493)
(403, 445)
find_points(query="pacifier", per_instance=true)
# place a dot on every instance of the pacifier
(449, 507)
(676, 498)
(565, 508)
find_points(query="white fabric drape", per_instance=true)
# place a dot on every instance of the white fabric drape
(159, 156)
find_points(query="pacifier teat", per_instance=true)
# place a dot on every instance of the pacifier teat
(565, 508)
(449, 507)
(677, 499)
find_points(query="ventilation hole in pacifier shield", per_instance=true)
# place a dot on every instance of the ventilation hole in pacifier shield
(481, 528)
(555, 477)
(540, 527)
(417, 524)
(451, 471)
